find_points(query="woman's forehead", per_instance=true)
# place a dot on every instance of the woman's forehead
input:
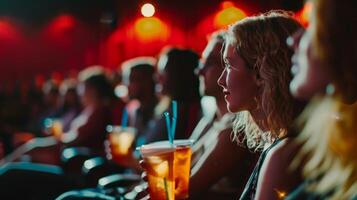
(229, 51)
(212, 46)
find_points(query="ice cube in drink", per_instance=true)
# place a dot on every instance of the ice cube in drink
(159, 159)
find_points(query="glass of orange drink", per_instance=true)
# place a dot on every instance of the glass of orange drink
(159, 161)
(182, 163)
(54, 127)
(182, 166)
(121, 140)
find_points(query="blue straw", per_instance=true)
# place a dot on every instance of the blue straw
(173, 128)
(169, 134)
(124, 118)
(174, 109)
(174, 119)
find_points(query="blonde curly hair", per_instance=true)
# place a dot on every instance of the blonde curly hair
(261, 42)
(329, 128)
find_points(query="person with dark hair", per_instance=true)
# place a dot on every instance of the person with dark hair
(139, 76)
(49, 108)
(176, 65)
(177, 81)
(70, 103)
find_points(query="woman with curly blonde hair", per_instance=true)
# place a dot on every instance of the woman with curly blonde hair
(255, 82)
(325, 66)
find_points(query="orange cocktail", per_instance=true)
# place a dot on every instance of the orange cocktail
(121, 140)
(57, 129)
(159, 166)
(54, 127)
(182, 168)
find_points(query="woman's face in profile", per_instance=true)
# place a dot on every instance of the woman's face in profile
(310, 76)
(238, 82)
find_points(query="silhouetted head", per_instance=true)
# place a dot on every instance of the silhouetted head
(176, 68)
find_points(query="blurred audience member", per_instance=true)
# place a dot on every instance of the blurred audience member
(139, 76)
(70, 103)
(86, 130)
(325, 70)
(48, 109)
(214, 150)
(178, 81)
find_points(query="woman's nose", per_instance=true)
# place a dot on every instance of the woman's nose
(222, 79)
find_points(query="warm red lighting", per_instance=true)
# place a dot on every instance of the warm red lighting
(61, 30)
(64, 22)
(39, 80)
(4, 28)
(56, 77)
(228, 15)
(151, 28)
(305, 13)
(148, 10)
(226, 4)
(8, 30)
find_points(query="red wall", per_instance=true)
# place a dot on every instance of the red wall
(65, 42)
(62, 44)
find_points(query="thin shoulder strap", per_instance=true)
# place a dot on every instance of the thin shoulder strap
(251, 186)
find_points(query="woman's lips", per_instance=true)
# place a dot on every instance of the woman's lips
(226, 93)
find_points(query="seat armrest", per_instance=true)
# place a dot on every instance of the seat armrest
(95, 168)
(72, 159)
(119, 180)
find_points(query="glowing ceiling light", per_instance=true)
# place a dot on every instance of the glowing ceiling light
(150, 28)
(228, 15)
(148, 10)
(305, 13)
(226, 4)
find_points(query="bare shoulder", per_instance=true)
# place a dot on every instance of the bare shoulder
(275, 174)
(279, 158)
(283, 152)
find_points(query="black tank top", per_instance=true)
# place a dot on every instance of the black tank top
(251, 186)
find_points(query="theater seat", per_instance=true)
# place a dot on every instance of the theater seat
(25, 180)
